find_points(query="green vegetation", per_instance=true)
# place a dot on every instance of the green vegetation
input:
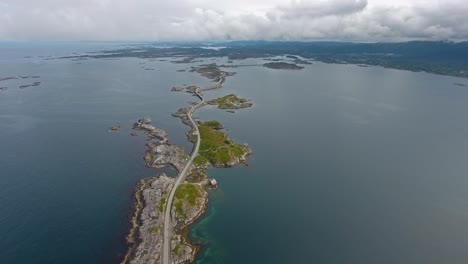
(179, 207)
(231, 101)
(216, 147)
(176, 249)
(214, 124)
(200, 161)
(191, 88)
(440, 57)
(161, 204)
(196, 175)
(188, 192)
(154, 230)
(184, 156)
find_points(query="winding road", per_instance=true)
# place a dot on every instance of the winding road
(180, 178)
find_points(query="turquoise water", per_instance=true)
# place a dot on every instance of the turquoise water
(351, 165)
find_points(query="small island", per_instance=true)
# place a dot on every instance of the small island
(217, 149)
(166, 206)
(8, 78)
(151, 195)
(191, 196)
(188, 88)
(282, 66)
(30, 85)
(185, 60)
(212, 71)
(231, 101)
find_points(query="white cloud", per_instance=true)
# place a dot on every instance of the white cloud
(359, 20)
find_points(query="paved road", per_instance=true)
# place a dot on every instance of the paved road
(180, 178)
(218, 85)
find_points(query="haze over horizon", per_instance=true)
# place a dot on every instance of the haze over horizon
(203, 20)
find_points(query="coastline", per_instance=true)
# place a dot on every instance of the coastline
(170, 206)
(132, 238)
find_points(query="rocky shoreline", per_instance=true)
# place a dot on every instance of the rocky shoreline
(145, 237)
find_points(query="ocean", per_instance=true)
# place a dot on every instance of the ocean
(351, 164)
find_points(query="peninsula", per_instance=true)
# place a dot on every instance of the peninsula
(165, 206)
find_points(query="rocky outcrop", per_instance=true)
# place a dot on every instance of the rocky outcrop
(148, 221)
(152, 132)
(146, 236)
(236, 160)
(177, 89)
(187, 208)
(188, 205)
(182, 114)
(160, 154)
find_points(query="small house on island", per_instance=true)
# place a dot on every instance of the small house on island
(213, 182)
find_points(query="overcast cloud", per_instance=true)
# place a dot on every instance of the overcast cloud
(355, 20)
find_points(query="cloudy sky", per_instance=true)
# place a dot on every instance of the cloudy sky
(356, 20)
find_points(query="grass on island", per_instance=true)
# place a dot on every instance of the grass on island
(161, 204)
(216, 147)
(176, 249)
(187, 192)
(214, 124)
(184, 156)
(154, 230)
(179, 208)
(196, 176)
(231, 101)
(200, 161)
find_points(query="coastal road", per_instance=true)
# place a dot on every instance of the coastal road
(218, 85)
(180, 178)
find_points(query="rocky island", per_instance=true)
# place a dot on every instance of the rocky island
(145, 237)
(211, 71)
(30, 85)
(282, 66)
(231, 101)
(217, 149)
(191, 197)
(165, 206)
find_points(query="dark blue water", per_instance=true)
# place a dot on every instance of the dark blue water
(351, 165)
(66, 183)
